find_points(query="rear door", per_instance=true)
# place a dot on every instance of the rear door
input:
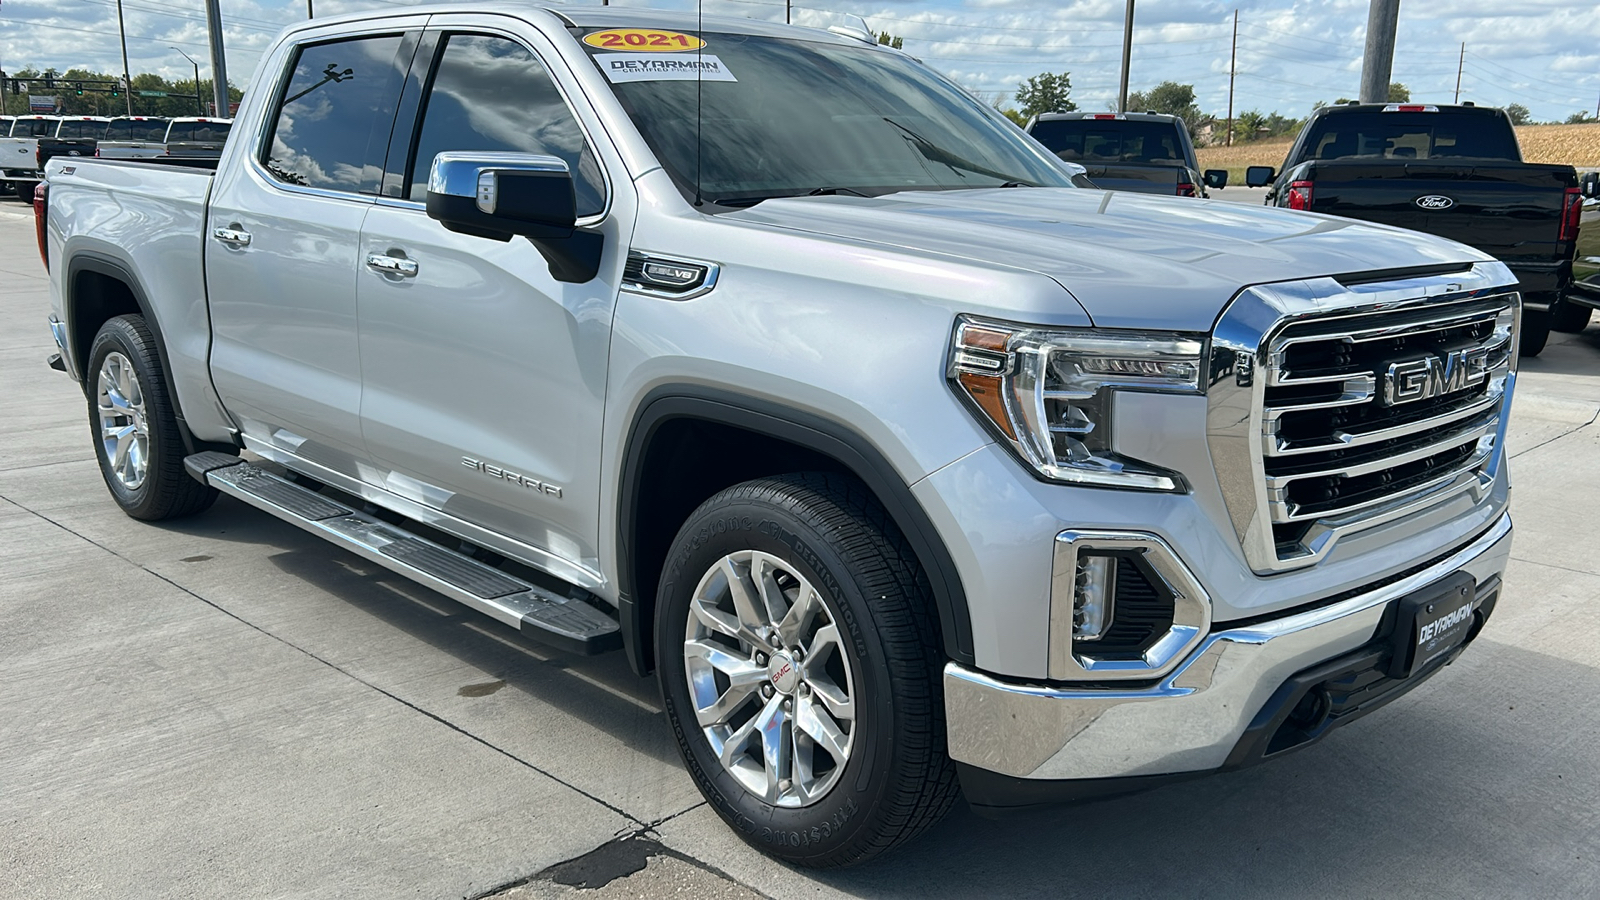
(484, 377)
(281, 243)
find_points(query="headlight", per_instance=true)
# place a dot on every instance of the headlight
(1048, 393)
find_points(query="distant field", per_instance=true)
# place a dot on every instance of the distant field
(1576, 145)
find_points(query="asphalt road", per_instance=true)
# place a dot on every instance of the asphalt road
(226, 707)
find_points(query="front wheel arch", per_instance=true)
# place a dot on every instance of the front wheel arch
(815, 443)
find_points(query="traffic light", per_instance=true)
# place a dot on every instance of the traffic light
(49, 81)
(78, 86)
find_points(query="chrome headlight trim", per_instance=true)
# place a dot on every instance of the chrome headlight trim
(1047, 393)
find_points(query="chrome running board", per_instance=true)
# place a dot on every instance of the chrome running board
(540, 614)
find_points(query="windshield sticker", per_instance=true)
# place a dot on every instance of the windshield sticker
(625, 67)
(650, 40)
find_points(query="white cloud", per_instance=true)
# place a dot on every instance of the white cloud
(1540, 53)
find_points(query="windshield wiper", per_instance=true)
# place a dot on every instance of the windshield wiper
(934, 153)
(753, 199)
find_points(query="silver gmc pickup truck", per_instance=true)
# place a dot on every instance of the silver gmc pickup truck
(774, 360)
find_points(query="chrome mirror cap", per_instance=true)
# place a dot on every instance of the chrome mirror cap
(462, 173)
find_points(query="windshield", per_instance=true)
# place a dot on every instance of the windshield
(200, 132)
(781, 118)
(1407, 135)
(136, 130)
(1100, 141)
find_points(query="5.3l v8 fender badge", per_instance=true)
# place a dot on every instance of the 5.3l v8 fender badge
(1435, 201)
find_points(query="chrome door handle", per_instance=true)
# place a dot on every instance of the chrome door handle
(392, 265)
(233, 237)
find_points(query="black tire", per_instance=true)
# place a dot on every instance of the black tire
(1535, 331)
(1569, 317)
(167, 491)
(898, 779)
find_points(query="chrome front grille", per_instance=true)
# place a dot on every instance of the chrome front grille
(1336, 408)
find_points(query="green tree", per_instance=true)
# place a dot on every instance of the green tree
(1168, 98)
(1579, 118)
(1399, 93)
(889, 40)
(1248, 125)
(1045, 93)
(1519, 114)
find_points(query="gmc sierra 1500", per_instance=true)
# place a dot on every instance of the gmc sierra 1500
(771, 357)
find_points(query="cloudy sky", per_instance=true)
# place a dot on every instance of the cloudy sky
(1541, 53)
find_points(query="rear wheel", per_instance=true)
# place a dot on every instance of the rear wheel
(1535, 331)
(135, 425)
(800, 667)
(1569, 317)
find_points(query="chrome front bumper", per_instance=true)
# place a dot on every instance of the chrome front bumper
(1193, 718)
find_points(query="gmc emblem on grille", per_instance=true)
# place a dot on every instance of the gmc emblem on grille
(1434, 376)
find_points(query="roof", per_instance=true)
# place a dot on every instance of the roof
(587, 17)
(1129, 117)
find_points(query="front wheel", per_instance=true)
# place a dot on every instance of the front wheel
(135, 425)
(800, 668)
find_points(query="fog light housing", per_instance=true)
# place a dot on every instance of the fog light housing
(1122, 606)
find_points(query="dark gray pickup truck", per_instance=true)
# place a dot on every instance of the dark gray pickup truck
(1148, 153)
(1453, 171)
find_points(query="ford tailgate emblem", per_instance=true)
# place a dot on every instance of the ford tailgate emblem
(1435, 201)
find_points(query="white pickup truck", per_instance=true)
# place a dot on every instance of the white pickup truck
(773, 359)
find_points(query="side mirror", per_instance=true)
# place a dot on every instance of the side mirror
(1216, 178)
(1590, 186)
(499, 195)
(1259, 176)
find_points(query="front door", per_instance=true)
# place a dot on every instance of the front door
(483, 377)
(282, 256)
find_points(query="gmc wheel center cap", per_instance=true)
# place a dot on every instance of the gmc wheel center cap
(783, 673)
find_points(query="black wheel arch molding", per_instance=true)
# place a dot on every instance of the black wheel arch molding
(764, 418)
(79, 337)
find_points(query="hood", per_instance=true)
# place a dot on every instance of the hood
(1131, 260)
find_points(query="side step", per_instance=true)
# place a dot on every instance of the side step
(545, 616)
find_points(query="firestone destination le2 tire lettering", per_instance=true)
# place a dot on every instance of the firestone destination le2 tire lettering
(799, 662)
(135, 425)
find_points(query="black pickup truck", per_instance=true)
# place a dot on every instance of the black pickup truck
(1149, 153)
(1453, 171)
(74, 136)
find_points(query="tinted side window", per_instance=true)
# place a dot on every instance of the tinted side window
(80, 130)
(202, 132)
(340, 95)
(491, 93)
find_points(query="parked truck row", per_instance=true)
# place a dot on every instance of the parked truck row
(28, 143)
(908, 464)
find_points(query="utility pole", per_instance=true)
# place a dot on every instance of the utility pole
(1382, 21)
(788, 12)
(1232, 61)
(310, 13)
(127, 92)
(1127, 56)
(1459, 63)
(219, 64)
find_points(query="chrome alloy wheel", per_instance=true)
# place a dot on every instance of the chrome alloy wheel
(769, 676)
(124, 429)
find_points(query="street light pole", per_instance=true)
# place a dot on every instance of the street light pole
(1233, 62)
(1127, 56)
(127, 88)
(199, 108)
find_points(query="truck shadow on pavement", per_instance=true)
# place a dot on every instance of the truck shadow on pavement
(1474, 785)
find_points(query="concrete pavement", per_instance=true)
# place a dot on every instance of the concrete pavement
(226, 706)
